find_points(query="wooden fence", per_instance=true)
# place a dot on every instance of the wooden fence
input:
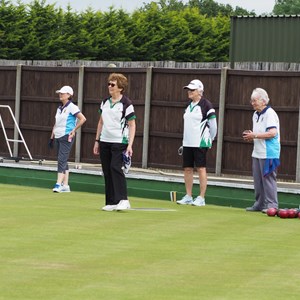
(159, 101)
(255, 66)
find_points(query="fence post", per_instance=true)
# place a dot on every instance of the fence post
(221, 121)
(298, 150)
(17, 109)
(147, 118)
(80, 105)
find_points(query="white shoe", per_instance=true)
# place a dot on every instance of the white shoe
(123, 205)
(57, 188)
(65, 189)
(186, 200)
(109, 207)
(199, 201)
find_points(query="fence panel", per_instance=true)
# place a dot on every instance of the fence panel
(38, 106)
(95, 90)
(168, 101)
(7, 97)
(284, 93)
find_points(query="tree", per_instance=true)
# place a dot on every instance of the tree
(199, 27)
(174, 5)
(239, 11)
(114, 36)
(92, 22)
(287, 7)
(165, 5)
(211, 8)
(163, 30)
(42, 24)
(148, 35)
(218, 45)
(12, 30)
(77, 41)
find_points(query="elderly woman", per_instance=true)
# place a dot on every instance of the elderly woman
(114, 139)
(265, 135)
(200, 129)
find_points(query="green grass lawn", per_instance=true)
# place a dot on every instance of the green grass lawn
(62, 247)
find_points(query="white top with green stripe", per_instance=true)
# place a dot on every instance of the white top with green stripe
(196, 131)
(115, 120)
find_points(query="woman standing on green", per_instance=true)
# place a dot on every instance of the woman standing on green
(114, 139)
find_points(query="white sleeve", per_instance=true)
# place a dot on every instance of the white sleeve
(212, 123)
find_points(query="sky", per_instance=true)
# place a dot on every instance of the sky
(259, 6)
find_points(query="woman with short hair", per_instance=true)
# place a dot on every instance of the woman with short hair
(114, 139)
(265, 135)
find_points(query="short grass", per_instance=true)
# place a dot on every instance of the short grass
(61, 246)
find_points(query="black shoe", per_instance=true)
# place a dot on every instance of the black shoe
(252, 208)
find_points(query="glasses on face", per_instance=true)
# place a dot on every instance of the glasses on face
(191, 90)
(253, 101)
(111, 84)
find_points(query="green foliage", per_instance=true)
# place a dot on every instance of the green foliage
(211, 8)
(114, 40)
(163, 30)
(13, 21)
(219, 44)
(183, 35)
(287, 7)
(41, 27)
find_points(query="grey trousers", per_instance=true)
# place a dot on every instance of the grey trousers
(63, 151)
(265, 188)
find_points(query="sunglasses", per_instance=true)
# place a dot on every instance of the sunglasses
(191, 90)
(111, 84)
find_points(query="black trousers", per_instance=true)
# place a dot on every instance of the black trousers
(111, 155)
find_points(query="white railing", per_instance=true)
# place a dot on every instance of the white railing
(8, 140)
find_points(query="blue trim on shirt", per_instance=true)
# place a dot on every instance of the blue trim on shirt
(62, 107)
(262, 112)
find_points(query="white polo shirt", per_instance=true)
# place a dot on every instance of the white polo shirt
(115, 120)
(266, 148)
(65, 119)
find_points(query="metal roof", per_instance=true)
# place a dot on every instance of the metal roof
(265, 38)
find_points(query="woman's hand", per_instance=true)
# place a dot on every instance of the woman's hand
(96, 149)
(248, 135)
(129, 150)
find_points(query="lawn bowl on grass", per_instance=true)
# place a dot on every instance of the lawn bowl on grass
(292, 213)
(271, 212)
(283, 213)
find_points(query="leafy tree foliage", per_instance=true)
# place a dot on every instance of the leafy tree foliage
(287, 7)
(165, 30)
(41, 25)
(13, 30)
(116, 38)
(211, 8)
